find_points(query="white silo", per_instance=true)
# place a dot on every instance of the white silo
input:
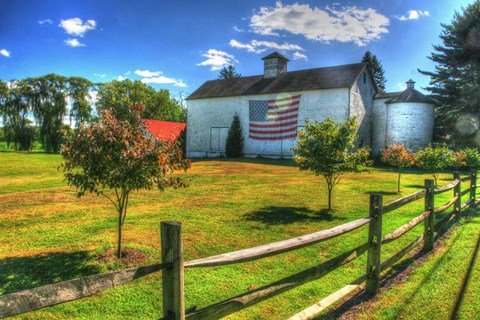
(410, 119)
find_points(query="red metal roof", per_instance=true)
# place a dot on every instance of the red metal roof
(165, 130)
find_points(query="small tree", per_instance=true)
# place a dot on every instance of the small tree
(397, 156)
(234, 143)
(112, 158)
(459, 160)
(434, 159)
(325, 148)
(472, 157)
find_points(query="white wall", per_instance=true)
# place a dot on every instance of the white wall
(410, 124)
(205, 114)
(361, 107)
(379, 124)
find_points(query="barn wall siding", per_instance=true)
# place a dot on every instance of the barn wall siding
(361, 107)
(204, 114)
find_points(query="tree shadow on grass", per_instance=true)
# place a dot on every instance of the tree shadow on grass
(20, 273)
(418, 186)
(273, 215)
(384, 193)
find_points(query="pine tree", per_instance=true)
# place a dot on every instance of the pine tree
(377, 70)
(228, 73)
(234, 144)
(455, 83)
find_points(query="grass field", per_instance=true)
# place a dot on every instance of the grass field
(49, 235)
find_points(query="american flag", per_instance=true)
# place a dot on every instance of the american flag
(275, 119)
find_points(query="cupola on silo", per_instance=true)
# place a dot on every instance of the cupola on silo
(410, 119)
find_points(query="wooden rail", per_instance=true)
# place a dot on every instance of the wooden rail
(277, 247)
(446, 205)
(403, 201)
(245, 300)
(405, 228)
(52, 294)
(173, 264)
(449, 186)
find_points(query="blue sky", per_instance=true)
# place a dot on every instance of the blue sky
(178, 45)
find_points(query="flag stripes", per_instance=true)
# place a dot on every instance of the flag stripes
(275, 119)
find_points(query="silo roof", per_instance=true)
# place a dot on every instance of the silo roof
(411, 95)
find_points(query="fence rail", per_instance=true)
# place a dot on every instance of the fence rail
(173, 264)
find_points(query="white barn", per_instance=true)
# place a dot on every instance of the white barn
(273, 106)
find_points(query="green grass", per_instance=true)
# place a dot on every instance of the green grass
(49, 235)
(444, 286)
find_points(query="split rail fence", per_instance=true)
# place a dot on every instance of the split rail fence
(173, 264)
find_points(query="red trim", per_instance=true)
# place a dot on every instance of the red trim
(274, 138)
(293, 116)
(274, 125)
(293, 103)
(273, 131)
(283, 111)
(285, 99)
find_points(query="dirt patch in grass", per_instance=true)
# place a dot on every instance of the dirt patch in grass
(130, 257)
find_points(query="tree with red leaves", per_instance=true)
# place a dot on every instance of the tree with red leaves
(112, 158)
(397, 156)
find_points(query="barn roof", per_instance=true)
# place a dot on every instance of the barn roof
(311, 79)
(164, 130)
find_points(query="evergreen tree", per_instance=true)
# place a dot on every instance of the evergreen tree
(377, 70)
(228, 73)
(234, 144)
(455, 82)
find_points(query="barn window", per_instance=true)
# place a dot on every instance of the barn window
(364, 78)
(218, 138)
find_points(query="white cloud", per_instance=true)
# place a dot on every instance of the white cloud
(261, 46)
(217, 59)
(5, 53)
(238, 29)
(147, 74)
(413, 15)
(121, 78)
(348, 24)
(76, 26)
(49, 21)
(401, 86)
(157, 78)
(101, 75)
(165, 80)
(74, 43)
(298, 56)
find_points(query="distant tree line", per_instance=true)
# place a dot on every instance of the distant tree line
(35, 109)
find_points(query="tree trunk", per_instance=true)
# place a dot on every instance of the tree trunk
(119, 239)
(329, 198)
(398, 182)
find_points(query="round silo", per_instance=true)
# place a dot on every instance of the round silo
(410, 119)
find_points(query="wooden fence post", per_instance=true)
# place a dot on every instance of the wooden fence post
(375, 241)
(456, 192)
(172, 273)
(473, 188)
(429, 222)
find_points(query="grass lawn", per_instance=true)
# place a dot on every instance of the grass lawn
(49, 235)
(441, 285)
